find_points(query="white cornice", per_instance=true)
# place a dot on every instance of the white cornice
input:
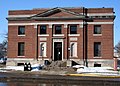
(89, 14)
(100, 14)
(51, 23)
(9, 16)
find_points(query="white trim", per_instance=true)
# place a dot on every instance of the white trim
(58, 40)
(75, 52)
(40, 23)
(58, 34)
(43, 59)
(45, 49)
(73, 34)
(43, 39)
(100, 22)
(89, 14)
(20, 56)
(73, 39)
(21, 35)
(21, 15)
(20, 59)
(100, 14)
(97, 34)
(35, 26)
(50, 26)
(42, 56)
(65, 25)
(97, 57)
(43, 34)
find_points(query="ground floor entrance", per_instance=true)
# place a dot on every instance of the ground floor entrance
(57, 51)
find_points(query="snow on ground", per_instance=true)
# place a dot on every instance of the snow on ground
(15, 68)
(80, 69)
(96, 70)
(35, 67)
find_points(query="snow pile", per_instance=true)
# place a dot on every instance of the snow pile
(15, 68)
(36, 67)
(98, 70)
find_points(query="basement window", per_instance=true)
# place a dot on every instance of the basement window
(97, 65)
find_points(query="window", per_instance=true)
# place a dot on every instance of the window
(58, 29)
(43, 49)
(73, 29)
(73, 49)
(97, 49)
(21, 30)
(21, 49)
(97, 29)
(43, 29)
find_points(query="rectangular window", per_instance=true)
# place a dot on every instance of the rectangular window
(73, 29)
(97, 49)
(58, 29)
(97, 29)
(21, 48)
(43, 29)
(21, 30)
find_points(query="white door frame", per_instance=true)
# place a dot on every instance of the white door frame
(58, 40)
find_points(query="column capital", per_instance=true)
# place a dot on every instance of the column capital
(50, 26)
(80, 25)
(65, 25)
(35, 26)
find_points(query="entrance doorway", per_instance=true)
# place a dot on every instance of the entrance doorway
(57, 51)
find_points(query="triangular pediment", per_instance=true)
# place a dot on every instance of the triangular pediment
(58, 13)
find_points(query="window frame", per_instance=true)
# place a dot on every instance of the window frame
(97, 49)
(73, 32)
(59, 31)
(21, 52)
(21, 30)
(97, 29)
(43, 31)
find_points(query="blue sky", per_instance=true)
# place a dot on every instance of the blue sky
(6, 5)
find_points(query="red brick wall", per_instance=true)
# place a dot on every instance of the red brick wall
(106, 41)
(30, 35)
(29, 39)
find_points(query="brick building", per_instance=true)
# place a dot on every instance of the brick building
(83, 35)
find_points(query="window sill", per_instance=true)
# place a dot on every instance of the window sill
(42, 56)
(73, 57)
(21, 35)
(20, 56)
(97, 57)
(97, 34)
(43, 35)
(58, 34)
(73, 34)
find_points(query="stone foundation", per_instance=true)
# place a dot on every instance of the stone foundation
(91, 62)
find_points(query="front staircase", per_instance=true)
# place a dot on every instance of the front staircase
(56, 65)
(59, 66)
